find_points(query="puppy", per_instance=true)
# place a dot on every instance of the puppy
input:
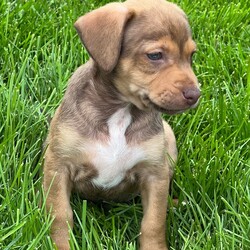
(107, 140)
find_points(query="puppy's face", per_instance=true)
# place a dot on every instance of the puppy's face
(147, 48)
(154, 69)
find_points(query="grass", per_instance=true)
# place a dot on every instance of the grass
(38, 53)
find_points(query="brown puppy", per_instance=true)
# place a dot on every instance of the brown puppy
(107, 139)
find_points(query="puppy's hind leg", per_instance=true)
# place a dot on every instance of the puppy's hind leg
(57, 187)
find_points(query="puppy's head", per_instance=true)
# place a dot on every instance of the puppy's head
(146, 46)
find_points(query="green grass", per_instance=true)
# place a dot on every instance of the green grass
(39, 51)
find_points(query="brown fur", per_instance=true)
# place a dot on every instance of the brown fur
(118, 37)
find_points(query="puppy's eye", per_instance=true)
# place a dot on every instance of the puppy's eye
(155, 56)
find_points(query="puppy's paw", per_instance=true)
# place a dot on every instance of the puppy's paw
(61, 246)
(153, 247)
(60, 240)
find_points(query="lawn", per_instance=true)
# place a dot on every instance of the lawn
(40, 49)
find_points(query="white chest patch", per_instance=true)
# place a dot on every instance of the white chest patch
(113, 158)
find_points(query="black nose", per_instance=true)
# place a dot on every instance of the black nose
(191, 95)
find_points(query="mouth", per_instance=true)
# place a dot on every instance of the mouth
(149, 103)
(167, 111)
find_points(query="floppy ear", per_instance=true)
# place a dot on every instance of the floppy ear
(101, 32)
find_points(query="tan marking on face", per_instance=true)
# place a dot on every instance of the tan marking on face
(163, 44)
(162, 83)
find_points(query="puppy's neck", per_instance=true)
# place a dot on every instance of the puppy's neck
(107, 96)
(92, 98)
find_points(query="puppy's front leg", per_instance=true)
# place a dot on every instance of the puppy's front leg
(58, 188)
(154, 200)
